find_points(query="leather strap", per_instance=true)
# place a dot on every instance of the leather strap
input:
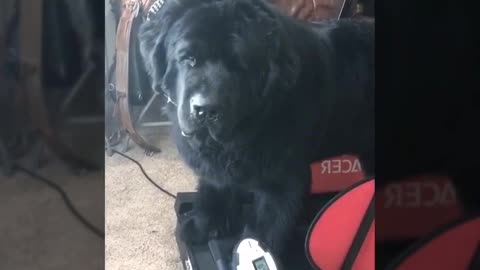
(143, 8)
(130, 12)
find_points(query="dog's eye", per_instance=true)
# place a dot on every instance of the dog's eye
(189, 61)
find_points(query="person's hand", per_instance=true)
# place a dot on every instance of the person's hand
(310, 9)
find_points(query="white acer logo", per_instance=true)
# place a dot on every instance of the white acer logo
(419, 194)
(333, 166)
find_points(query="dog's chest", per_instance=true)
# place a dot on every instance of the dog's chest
(227, 169)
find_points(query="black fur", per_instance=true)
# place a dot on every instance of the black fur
(292, 92)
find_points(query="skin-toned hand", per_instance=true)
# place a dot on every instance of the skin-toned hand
(310, 9)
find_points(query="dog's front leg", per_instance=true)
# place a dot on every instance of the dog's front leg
(208, 215)
(275, 216)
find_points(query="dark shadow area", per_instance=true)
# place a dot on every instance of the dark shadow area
(52, 134)
(426, 89)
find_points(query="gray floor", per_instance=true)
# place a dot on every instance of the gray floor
(140, 219)
(39, 233)
(37, 230)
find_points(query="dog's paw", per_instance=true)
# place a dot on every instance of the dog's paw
(194, 229)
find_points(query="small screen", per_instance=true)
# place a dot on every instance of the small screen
(260, 264)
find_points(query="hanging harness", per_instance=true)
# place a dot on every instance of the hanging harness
(133, 11)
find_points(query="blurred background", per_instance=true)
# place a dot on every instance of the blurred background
(52, 134)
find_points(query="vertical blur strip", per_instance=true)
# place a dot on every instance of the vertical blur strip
(52, 134)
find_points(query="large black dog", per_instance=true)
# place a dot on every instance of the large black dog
(257, 97)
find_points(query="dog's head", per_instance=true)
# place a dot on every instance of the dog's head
(219, 61)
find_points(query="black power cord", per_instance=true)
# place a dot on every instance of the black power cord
(65, 198)
(145, 174)
(69, 203)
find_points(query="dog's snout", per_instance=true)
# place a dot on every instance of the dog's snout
(203, 108)
(204, 112)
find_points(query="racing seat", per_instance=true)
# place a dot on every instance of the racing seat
(342, 236)
(455, 247)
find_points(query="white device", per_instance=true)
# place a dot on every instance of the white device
(249, 255)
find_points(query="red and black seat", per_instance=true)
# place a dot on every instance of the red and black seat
(342, 235)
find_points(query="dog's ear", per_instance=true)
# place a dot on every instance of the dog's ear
(153, 51)
(283, 66)
(153, 34)
(266, 32)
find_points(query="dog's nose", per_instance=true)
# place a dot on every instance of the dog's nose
(202, 108)
(205, 112)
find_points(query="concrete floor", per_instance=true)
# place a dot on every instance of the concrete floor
(140, 219)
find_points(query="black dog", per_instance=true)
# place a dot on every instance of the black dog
(257, 97)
